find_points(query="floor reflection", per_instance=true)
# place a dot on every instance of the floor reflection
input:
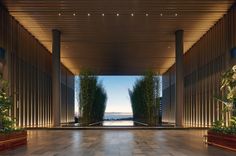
(116, 143)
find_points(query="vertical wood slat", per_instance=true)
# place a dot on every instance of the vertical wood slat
(30, 75)
(203, 64)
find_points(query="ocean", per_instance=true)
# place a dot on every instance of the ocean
(117, 115)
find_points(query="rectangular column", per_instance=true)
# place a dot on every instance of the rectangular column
(179, 54)
(56, 77)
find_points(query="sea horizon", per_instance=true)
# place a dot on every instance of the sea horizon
(117, 115)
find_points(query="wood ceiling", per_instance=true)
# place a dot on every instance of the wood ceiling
(118, 45)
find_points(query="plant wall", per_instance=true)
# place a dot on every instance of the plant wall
(145, 99)
(7, 123)
(228, 86)
(92, 98)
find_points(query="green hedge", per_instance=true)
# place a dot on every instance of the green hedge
(145, 99)
(92, 98)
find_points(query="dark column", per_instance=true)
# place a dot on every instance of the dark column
(56, 77)
(179, 51)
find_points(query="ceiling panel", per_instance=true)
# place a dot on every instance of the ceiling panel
(118, 45)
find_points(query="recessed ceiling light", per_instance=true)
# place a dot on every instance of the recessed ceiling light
(88, 14)
(59, 14)
(161, 14)
(74, 14)
(132, 14)
(103, 14)
(176, 14)
(146, 14)
(117, 14)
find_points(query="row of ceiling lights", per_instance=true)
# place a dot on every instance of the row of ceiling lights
(132, 14)
(117, 14)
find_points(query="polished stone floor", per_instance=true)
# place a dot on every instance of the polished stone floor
(117, 143)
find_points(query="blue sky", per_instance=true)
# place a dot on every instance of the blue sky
(117, 91)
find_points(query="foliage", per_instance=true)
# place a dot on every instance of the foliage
(233, 121)
(92, 98)
(217, 126)
(144, 100)
(6, 121)
(99, 104)
(228, 84)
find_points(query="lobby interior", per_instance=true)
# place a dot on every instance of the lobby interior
(44, 44)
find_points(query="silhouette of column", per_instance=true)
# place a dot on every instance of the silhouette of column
(56, 77)
(179, 53)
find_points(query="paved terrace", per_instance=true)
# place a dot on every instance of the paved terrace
(117, 143)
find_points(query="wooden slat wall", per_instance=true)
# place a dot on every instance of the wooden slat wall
(203, 65)
(168, 109)
(29, 66)
(67, 96)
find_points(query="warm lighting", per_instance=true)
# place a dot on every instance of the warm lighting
(176, 14)
(74, 14)
(146, 14)
(103, 14)
(59, 14)
(88, 14)
(132, 14)
(161, 14)
(117, 14)
(169, 47)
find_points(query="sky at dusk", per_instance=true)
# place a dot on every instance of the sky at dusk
(117, 91)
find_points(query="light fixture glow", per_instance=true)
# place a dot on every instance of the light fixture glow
(146, 14)
(176, 14)
(117, 14)
(88, 14)
(103, 14)
(74, 14)
(59, 14)
(132, 14)
(161, 14)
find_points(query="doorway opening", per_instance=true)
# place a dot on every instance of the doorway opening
(118, 109)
